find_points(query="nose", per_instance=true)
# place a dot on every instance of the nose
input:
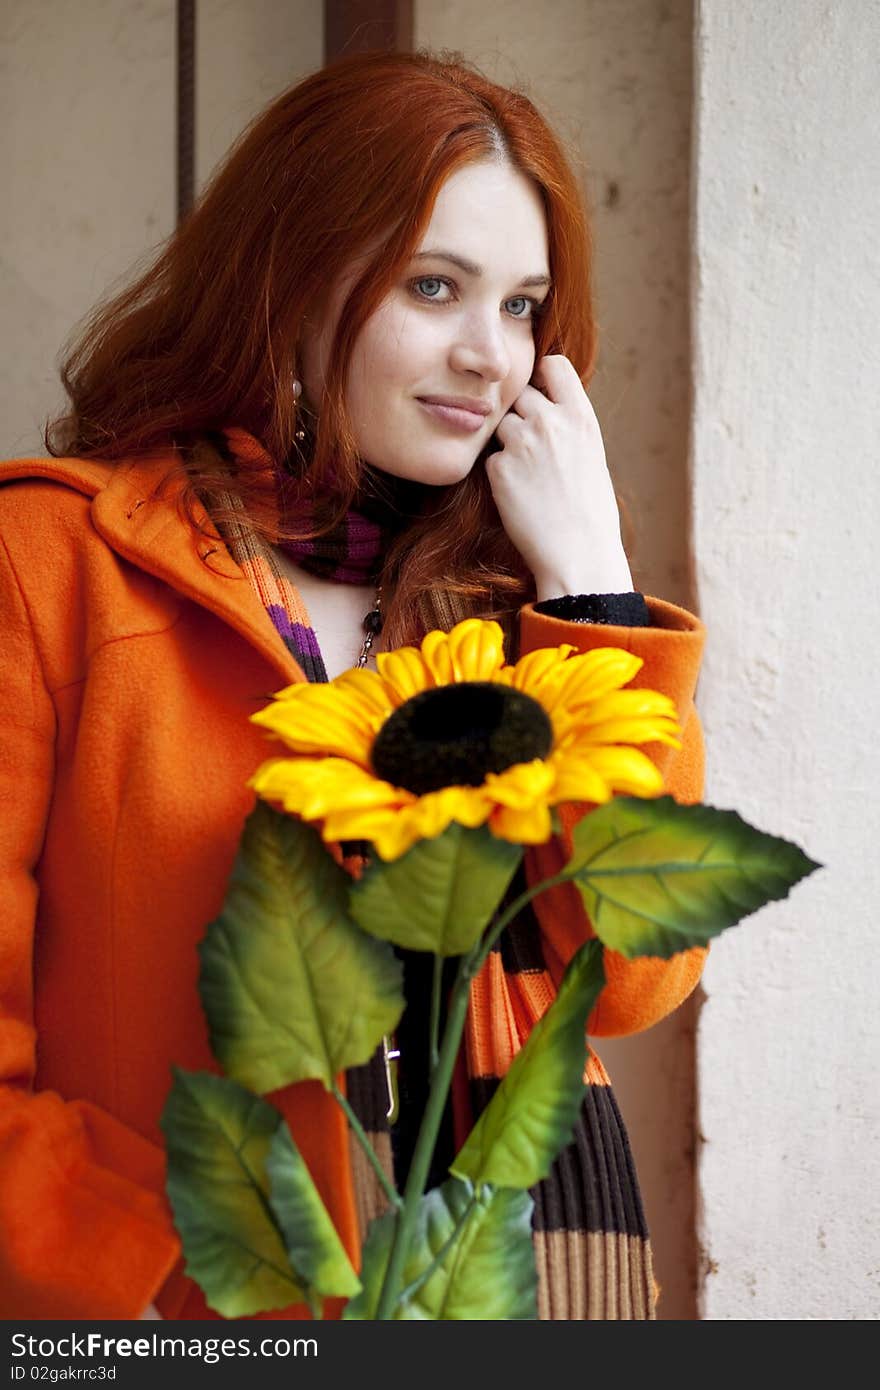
(480, 346)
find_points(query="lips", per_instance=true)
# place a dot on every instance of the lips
(462, 419)
(476, 407)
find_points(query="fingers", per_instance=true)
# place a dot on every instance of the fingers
(529, 401)
(554, 382)
(510, 427)
(558, 378)
(555, 399)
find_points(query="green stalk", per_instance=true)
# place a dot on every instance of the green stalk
(413, 1288)
(388, 1187)
(436, 989)
(428, 1131)
(516, 906)
(468, 967)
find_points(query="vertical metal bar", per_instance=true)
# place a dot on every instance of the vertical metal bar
(186, 106)
(356, 26)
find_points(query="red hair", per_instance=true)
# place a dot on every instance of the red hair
(351, 157)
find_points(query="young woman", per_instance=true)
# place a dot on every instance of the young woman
(350, 387)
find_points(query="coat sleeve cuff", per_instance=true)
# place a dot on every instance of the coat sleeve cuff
(86, 1229)
(625, 610)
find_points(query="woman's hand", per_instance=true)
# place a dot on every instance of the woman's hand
(552, 488)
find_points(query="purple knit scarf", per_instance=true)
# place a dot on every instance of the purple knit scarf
(352, 552)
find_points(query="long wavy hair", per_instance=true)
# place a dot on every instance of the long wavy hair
(350, 158)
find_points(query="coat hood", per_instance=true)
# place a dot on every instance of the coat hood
(137, 510)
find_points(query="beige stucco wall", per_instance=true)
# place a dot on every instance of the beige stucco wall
(87, 169)
(247, 52)
(787, 506)
(86, 127)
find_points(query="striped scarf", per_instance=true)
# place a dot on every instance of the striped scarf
(350, 553)
(592, 1249)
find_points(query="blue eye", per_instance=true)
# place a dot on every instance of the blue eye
(535, 307)
(429, 280)
(428, 288)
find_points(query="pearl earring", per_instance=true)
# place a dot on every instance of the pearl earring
(297, 392)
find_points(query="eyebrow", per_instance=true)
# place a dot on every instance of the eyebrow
(471, 268)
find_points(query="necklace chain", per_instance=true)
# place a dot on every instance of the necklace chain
(372, 626)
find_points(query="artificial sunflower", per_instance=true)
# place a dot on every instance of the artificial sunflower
(447, 732)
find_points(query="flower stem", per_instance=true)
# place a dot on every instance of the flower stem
(441, 1081)
(516, 906)
(388, 1187)
(436, 988)
(428, 1131)
(411, 1289)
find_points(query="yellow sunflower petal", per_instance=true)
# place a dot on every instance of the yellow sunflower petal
(313, 787)
(368, 688)
(266, 781)
(476, 648)
(435, 811)
(383, 826)
(346, 788)
(628, 770)
(636, 703)
(627, 716)
(333, 728)
(395, 830)
(530, 671)
(360, 700)
(472, 651)
(318, 719)
(565, 728)
(395, 837)
(504, 676)
(634, 731)
(628, 730)
(532, 827)
(521, 786)
(404, 673)
(468, 805)
(437, 657)
(288, 690)
(592, 675)
(577, 779)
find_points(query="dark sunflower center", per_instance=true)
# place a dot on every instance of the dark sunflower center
(454, 735)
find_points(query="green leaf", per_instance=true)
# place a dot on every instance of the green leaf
(291, 988)
(657, 877)
(315, 1250)
(218, 1137)
(440, 895)
(486, 1269)
(531, 1116)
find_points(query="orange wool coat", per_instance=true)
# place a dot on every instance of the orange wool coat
(133, 651)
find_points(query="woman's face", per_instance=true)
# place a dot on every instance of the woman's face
(451, 346)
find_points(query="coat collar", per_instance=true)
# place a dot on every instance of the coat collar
(135, 509)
